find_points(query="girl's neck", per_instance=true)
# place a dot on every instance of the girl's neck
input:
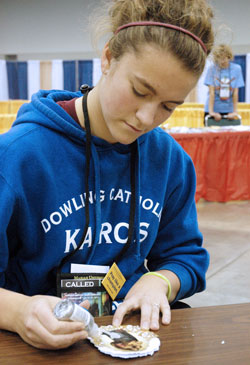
(92, 111)
(97, 123)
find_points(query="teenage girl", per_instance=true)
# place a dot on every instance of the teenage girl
(91, 179)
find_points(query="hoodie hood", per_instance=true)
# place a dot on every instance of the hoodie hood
(44, 111)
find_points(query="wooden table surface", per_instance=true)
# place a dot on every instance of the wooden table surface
(209, 335)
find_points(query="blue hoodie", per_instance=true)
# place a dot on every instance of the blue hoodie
(42, 200)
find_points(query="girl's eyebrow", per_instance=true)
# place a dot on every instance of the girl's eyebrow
(149, 87)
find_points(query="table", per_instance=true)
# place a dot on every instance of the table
(191, 115)
(222, 163)
(209, 335)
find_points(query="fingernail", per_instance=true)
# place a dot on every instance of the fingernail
(145, 326)
(166, 320)
(116, 323)
(155, 325)
(84, 335)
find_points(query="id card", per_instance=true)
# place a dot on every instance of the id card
(225, 89)
(79, 286)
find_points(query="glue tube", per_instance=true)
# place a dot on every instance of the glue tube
(68, 310)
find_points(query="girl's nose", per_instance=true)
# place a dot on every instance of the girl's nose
(146, 114)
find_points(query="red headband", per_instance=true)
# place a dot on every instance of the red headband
(171, 26)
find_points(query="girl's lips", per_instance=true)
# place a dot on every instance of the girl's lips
(134, 129)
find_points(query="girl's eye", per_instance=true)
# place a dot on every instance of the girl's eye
(137, 93)
(167, 108)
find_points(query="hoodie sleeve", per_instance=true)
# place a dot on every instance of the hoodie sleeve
(178, 246)
(7, 203)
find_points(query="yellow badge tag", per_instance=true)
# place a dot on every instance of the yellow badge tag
(113, 281)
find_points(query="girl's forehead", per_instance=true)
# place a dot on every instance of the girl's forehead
(148, 59)
(157, 67)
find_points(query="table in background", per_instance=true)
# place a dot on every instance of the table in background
(222, 163)
(191, 115)
(209, 335)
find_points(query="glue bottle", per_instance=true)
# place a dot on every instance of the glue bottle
(68, 310)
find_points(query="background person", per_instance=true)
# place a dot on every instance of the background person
(223, 79)
(94, 174)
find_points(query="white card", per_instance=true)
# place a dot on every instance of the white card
(81, 268)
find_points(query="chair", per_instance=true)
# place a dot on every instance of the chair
(244, 111)
(186, 117)
(210, 121)
(14, 105)
(6, 121)
(4, 107)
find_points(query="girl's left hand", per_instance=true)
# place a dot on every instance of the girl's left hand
(232, 115)
(149, 294)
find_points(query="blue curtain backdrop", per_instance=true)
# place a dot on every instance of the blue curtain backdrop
(12, 79)
(76, 73)
(17, 80)
(241, 60)
(85, 73)
(22, 70)
(69, 75)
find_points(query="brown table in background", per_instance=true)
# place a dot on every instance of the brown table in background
(209, 335)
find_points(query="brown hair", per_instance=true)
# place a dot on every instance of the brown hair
(193, 15)
(222, 50)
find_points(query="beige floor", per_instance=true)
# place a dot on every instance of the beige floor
(226, 231)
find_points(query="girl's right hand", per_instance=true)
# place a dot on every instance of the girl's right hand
(37, 325)
(216, 116)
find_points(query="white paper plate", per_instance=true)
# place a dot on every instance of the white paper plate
(126, 341)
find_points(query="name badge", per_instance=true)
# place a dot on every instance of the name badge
(113, 281)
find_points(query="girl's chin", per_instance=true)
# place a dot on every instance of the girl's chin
(126, 141)
(124, 138)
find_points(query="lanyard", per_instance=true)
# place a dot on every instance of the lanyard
(88, 157)
(85, 89)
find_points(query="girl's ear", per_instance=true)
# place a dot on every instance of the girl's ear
(105, 59)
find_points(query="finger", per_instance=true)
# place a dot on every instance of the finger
(64, 341)
(123, 309)
(38, 336)
(154, 323)
(85, 304)
(65, 327)
(166, 314)
(146, 311)
(56, 342)
(55, 326)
